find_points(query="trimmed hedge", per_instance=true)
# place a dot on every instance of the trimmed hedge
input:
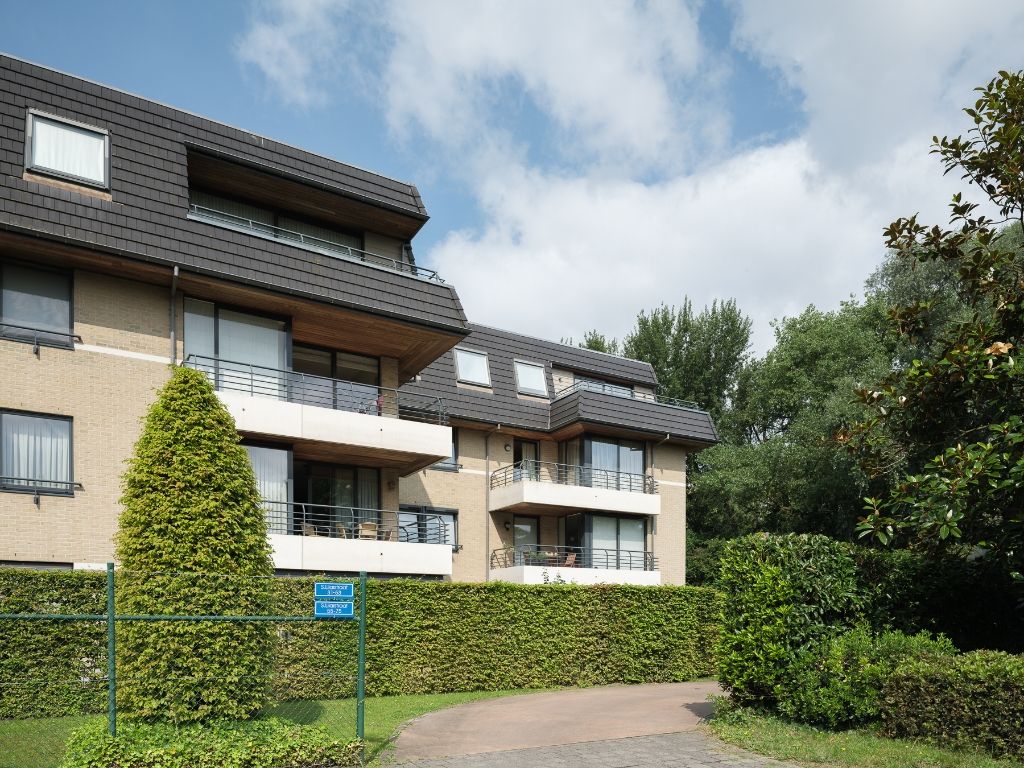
(838, 683)
(971, 701)
(781, 594)
(423, 637)
(268, 743)
(190, 503)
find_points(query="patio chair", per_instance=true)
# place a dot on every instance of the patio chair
(367, 531)
(308, 529)
(342, 530)
(570, 560)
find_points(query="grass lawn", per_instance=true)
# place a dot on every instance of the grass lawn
(777, 738)
(39, 743)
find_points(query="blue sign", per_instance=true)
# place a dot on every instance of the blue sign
(334, 609)
(333, 590)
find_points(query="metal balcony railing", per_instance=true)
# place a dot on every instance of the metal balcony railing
(570, 474)
(549, 556)
(307, 389)
(301, 519)
(616, 390)
(221, 218)
(38, 337)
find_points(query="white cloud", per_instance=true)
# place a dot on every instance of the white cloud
(295, 44)
(641, 198)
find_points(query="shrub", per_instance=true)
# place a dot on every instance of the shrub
(423, 637)
(838, 683)
(972, 701)
(269, 743)
(780, 594)
(703, 560)
(191, 505)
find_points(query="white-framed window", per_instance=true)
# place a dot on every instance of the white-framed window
(471, 367)
(67, 149)
(530, 379)
(35, 453)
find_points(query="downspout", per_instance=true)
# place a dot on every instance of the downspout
(174, 315)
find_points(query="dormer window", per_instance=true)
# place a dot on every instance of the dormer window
(471, 367)
(530, 379)
(67, 150)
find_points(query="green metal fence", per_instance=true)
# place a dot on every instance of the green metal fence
(69, 689)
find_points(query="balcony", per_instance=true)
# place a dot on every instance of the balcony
(563, 488)
(309, 242)
(546, 564)
(596, 406)
(317, 537)
(349, 421)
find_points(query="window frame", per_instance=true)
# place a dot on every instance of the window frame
(487, 367)
(30, 140)
(68, 342)
(452, 464)
(44, 490)
(423, 509)
(520, 389)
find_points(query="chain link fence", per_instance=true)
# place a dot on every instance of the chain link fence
(176, 657)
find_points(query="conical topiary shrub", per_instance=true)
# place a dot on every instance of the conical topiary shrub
(192, 541)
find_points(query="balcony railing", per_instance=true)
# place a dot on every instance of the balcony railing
(546, 556)
(336, 250)
(38, 337)
(616, 390)
(307, 389)
(300, 519)
(569, 474)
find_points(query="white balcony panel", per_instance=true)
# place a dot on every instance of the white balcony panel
(266, 416)
(316, 553)
(535, 574)
(531, 493)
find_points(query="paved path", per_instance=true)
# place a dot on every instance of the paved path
(688, 749)
(638, 726)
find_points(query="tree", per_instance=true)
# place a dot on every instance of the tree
(192, 540)
(598, 342)
(782, 471)
(948, 429)
(695, 357)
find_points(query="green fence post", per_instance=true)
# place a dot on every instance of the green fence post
(361, 668)
(111, 673)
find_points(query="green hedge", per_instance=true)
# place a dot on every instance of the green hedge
(267, 743)
(972, 701)
(838, 683)
(781, 594)
(423, 637)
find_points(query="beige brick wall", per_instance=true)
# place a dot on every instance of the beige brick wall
(669, 470)
(106, 394)
(561, 379)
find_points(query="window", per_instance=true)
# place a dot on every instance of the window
(35, 453)
(237, 350)
(355, 380)
(35, 306)
(471, 367)
(427, 525)
(67, 149)
(530, 379)
(451, 464)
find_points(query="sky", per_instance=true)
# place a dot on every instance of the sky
(583, 160)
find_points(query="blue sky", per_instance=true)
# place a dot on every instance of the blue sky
(582, 161)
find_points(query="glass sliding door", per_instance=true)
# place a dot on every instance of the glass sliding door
(616, 542)
(604, 542)
(632, 544)
(272, 467)
(526, 539)
(614, 464)
(525, 456)
(240, 351)
(335, 500)
(631, 466)
(604, 463)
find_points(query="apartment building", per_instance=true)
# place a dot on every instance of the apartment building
(387, 433)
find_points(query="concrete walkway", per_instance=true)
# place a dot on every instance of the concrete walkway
(607, 727)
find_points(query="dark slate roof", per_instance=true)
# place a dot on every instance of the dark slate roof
(503, 405)
(149, 185)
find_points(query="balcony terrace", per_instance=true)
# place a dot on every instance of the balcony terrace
(563, 488)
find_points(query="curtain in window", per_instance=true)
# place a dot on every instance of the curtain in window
(35, 451)
(604, 542)
(255, 348)
(631, 461)
(68, 149)
(631, 544)
(35, 299)
(271, 468)
(368, 488)
(604, 463)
